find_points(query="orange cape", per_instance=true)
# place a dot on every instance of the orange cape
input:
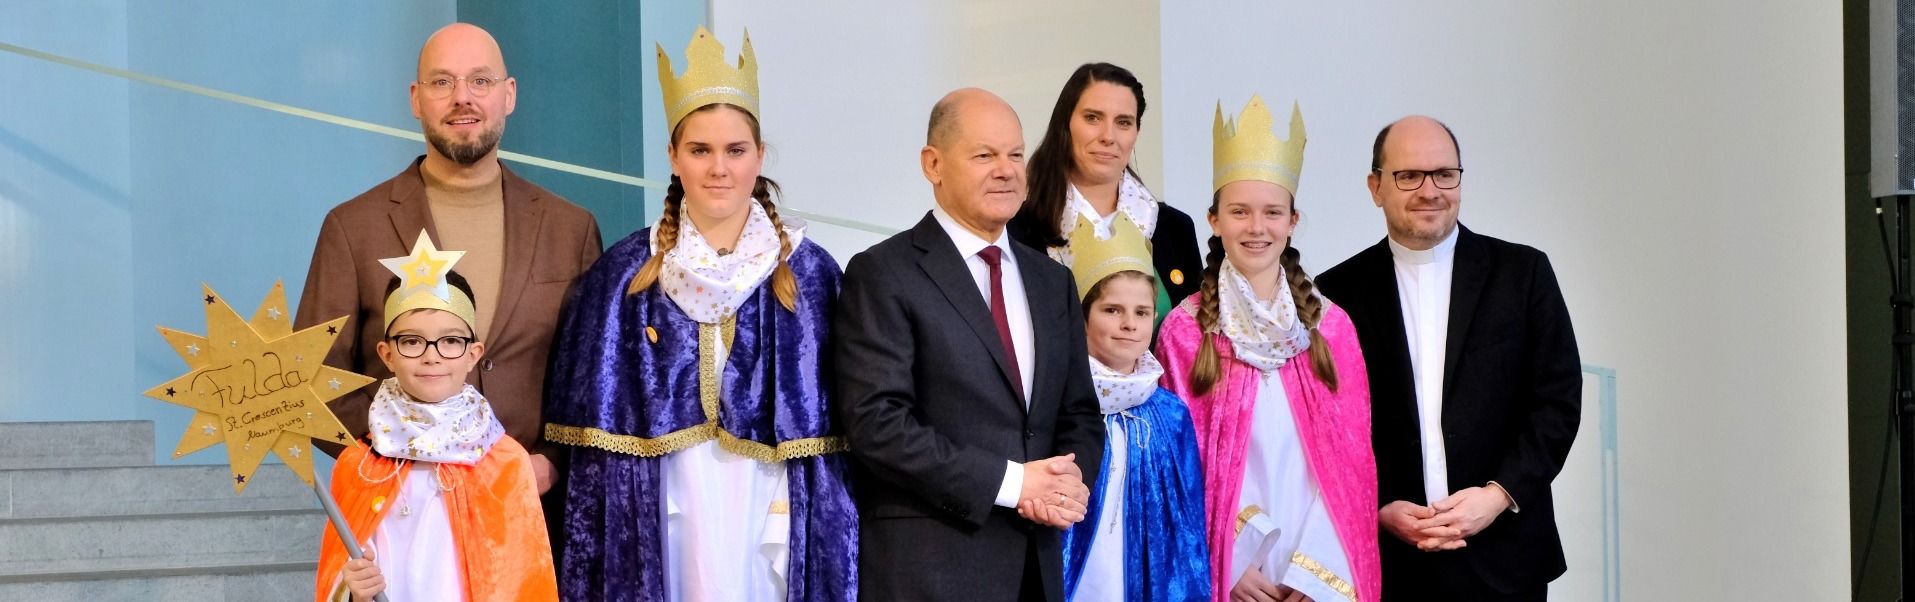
(497, 523)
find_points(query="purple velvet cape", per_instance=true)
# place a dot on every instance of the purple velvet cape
(608, 374)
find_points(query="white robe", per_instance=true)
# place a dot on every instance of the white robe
(1103, 577)
(413, 544)
(1289, 537)
(727, 523)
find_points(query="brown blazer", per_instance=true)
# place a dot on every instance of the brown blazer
(548, 242)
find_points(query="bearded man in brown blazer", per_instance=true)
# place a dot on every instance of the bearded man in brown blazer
(523, 244)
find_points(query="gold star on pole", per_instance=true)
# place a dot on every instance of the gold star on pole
(263, 388)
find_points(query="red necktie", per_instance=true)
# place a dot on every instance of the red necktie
(993, 256)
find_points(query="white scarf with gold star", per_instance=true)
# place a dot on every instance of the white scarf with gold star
(1264, 335)
(1117, 391)
(457, 430)
(710, 287)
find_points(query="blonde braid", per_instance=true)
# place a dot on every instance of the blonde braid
(667, 235)
(1207, 370)
(784, 283)
(1310, 310)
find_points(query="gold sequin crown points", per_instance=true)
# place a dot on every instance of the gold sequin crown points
(708, 79)
(1248, 149)
(1094, 260)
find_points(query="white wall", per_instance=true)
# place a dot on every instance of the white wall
(1680, 163)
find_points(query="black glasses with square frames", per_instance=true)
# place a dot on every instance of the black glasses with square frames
(412, 345)
(1412, 179)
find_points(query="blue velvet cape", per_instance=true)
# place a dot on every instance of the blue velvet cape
(624, 391)
(1166, 556)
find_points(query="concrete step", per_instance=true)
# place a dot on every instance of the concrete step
(75, 444)
(125, 491)
(250, 583)
(52, 547)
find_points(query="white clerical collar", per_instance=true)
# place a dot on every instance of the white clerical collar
(1443, 251)
(969, 244)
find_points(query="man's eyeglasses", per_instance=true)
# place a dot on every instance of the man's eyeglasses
(412, 345)
(441, 86)
(1412, 179)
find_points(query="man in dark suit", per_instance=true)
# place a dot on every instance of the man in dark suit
(963, 383)
(528, 242)
(1475, 383)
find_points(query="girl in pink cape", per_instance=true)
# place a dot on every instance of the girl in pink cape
(1277, 390)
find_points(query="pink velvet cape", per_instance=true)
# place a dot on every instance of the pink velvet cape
(1334, 425)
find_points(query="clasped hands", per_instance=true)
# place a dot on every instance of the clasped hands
(1054, 493)
(1448, 523)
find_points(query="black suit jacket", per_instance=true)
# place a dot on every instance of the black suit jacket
(1174, 250)
(932, 414)
(1512, 398)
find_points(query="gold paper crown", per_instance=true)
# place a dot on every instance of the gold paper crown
(1093, 260)
(707, 79)
(423, 285)
(1249, 149)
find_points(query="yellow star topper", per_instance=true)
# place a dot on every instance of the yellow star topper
(258, 386)
(426, 266)
(423, 283)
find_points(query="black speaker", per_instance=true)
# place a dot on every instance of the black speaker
(1891, 60)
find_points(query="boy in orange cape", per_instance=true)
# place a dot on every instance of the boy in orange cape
(445, 503)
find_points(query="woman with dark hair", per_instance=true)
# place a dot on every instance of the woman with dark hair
(689, 381)
(1082, 183)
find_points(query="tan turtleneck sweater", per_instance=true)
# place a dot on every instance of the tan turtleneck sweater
(473, 220)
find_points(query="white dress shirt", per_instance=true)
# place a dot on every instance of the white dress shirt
(1423, 287)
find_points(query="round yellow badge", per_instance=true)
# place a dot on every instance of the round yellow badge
(1176, 276)
(652, 334)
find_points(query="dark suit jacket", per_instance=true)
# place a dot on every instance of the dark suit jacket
(932, 415)
(1512, 398)
(548, 241)
(1176, 254)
